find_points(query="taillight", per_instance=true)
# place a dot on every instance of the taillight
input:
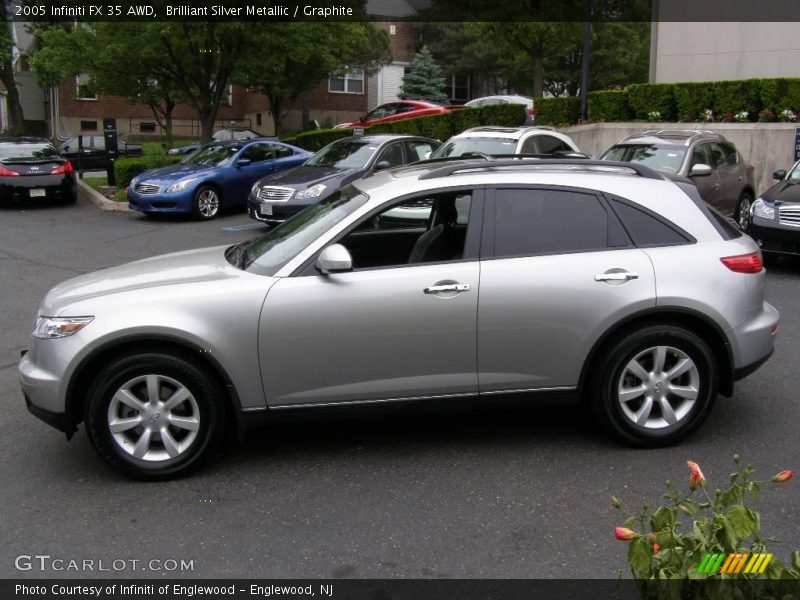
(744, 263)
(4, 172)
(63, 169)
(532, 111)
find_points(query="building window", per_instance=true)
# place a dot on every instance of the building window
(88, 125)
(83, 88)
(458, 88)
(258, 119)
(147, 127)
(350, 81)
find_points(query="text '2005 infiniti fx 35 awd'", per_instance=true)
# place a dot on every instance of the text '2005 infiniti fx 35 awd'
(598, 280)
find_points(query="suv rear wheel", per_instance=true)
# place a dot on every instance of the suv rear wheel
(654, 386)
(153, 415)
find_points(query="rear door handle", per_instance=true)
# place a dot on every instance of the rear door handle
(453, 287)
(616, 276)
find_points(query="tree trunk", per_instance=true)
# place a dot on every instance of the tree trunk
(15, 115)
(169, 107)
(306, 118)
(275, 109)
(207, 118)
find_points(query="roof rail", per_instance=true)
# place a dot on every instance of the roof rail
(686, 132)
(490, 128)
(494, 157)
(587, 164)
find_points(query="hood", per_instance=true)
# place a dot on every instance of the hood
(783, 191)
(191, 266)
(172, 173)
(305, 176)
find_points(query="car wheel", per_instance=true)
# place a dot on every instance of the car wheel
(743, 210)
(206, 203)
(654, 386)
(153, 415)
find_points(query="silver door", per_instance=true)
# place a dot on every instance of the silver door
(709, 186)
(539, 316)
(370, 335)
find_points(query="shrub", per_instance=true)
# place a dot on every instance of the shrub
(438, 127)
(609, 106)
(780, 94)
(557, 111)
(737, 97)
(692, 99)
(646, 98)
(126, 169)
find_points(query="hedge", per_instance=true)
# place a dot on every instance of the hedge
(438, 127)
(731, 97)
(609, 106)
(560, 110)
(126, 169)
(692, 99)
(648, 98)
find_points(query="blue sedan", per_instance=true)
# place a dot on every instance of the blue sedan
(219, 174)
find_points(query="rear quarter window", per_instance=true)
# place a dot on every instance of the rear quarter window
(647, 229)
(726, 228)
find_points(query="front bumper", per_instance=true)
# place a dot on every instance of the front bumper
(40, 389)
(774, 238)
(281, 211)
(161, 202)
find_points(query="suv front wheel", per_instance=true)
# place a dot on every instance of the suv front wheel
(153, 415)
(655, 386)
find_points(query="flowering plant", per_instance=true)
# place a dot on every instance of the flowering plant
(787, 115)
(766, 116)
(654, 116)
(662, 547)
(707, 115)
(741, 117)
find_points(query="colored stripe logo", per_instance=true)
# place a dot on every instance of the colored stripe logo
(737, 562)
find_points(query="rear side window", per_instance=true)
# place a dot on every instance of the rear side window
(646, 229)
(724, 226)
(547, 221)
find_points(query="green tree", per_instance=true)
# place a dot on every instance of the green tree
(15, 115)
(424, 79)
(288, 60)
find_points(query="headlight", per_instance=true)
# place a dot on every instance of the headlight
(762, 209)
(48, 328)
(181, 185)
(315, 191)
(254, 189)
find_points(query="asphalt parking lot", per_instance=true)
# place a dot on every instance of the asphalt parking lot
(515, 494)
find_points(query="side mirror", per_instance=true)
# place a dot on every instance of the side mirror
(243, 162)
(334, 259)
(779, 174)
(383, 164)
(427, 155)
(700, 170)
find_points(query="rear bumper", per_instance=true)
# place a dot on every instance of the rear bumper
(755, 340)
(56, 187)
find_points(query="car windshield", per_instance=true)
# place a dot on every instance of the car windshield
(484, 145)
(668, 159)
(268, 253)
(213, 155)
(26, 151)
(794, 174)
(344, 155)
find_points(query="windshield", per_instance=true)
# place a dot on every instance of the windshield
(667, 159)
(27, 151)
(213, 155)
(268, 253)
(344, 155)
(484, 145)
(794, 174)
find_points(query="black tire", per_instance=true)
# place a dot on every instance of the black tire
(611, 373)
(132, 373)
(743, 210)
(206, 203)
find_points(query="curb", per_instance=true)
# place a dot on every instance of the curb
(87, 192)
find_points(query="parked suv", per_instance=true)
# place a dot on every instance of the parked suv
(497, 141)
(599, 281)
(723, 178)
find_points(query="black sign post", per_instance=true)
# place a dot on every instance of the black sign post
(110, 134)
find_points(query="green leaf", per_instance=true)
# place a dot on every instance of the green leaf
(663, 518)
(726, 533)
(731, 495)
(742, 520)
(754, 488)
(639, 555)
(699, 533)
(796, 560)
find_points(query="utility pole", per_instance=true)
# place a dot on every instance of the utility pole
(587, 49)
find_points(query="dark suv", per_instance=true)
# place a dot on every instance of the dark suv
(723, 178)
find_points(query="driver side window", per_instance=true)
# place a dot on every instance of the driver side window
(426, 229)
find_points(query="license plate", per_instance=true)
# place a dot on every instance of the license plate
(265, 210)
(38, 193)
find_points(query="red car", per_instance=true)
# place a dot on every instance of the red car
(394, 111)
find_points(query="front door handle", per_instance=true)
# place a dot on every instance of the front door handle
(453, 287)
(616, 276)
(716, 186)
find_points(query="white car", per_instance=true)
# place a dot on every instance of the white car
(506, 99)
(497, 141)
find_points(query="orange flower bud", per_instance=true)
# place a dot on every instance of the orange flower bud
(696, 477)
(783, 476)
(615, 502)
(656, 548)
(624, 534)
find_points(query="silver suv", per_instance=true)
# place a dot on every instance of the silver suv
(724, 179)
(598, 281)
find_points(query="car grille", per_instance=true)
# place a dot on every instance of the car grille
(147, 188)
(275, 194)
(789, 215)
